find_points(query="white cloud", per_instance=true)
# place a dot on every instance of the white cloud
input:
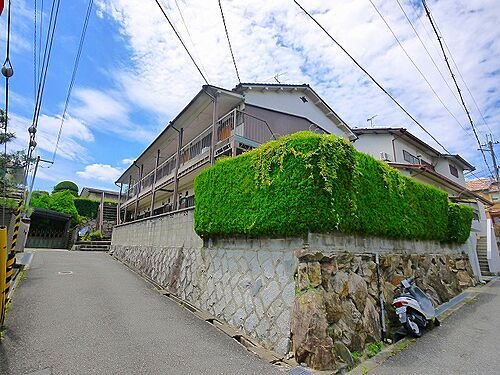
(72, 142)
(275, 36)
(108, 112)
(100, 172)
(127, 162)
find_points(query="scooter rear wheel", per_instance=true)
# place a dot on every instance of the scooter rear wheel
(411, 325)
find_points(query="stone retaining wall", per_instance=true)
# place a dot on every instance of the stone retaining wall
(337, 311)
(316, 297)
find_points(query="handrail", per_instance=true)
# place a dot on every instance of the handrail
(137, 187)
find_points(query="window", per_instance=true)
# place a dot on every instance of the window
(453, 170)
(410, 158)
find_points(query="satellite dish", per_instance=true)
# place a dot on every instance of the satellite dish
(82, 232)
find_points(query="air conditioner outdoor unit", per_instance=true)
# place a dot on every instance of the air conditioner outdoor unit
(385, 156)
(205, 149)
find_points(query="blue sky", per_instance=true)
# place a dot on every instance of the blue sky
(134, 76)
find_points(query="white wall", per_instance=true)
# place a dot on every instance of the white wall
(290, 102)
(492, 248)
(400, 145)
(374, 144)
(443, 168)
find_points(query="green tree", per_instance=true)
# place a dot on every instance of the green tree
(12, 163)
(66, 186)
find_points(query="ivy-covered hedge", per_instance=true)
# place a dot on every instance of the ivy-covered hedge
(316, 183)
(87, 207)
(459, 222)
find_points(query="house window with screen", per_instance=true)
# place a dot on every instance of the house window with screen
(410, 158)
(453, 170)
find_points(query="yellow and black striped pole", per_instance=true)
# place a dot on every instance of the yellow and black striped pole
(3, 273)
(11, 257)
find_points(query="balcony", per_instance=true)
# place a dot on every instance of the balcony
(236, 132)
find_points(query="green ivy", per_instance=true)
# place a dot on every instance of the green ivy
(60, 202)
(87, 207)
(459, 219)
(307, 182)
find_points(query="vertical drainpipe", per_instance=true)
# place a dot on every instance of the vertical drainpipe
(141, 169)
(214, 128)
(154, 182)
(177, 165)
(118, 206)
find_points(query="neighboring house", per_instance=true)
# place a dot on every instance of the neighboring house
(416, 159)
(97, 194)
(216, 123)
(490, 189)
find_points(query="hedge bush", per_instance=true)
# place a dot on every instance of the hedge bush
(307, 182)
(459, 222)
(62, 201)
(87, 207)
(66, 186)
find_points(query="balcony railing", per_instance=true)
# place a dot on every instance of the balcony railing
(233, 123)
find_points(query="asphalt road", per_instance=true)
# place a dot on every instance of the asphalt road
(468, 342)
(104, 319)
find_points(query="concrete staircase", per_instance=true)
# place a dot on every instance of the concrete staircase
(92, 246)
(482, 257)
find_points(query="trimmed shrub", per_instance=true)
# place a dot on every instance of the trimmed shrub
(87, 207)
(307, 182)
(459, 222)
(60, 202)
(66, 185)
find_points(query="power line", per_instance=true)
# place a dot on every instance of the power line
(73, 75)
(229, 42)
(461, 77)
(415, 65)
(7, 72)
(54, 12)
(180, 39)
(40, 37)
(35, 40)
(432, 22)
(427, 51)
(370, 76)
(190, 37)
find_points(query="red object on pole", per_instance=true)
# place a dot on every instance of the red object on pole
(1, 6)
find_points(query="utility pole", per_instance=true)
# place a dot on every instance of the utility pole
(489, 147)
(30, 191)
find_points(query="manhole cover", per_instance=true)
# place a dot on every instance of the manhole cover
(65, 273)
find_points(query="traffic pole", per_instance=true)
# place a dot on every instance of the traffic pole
(11, 256)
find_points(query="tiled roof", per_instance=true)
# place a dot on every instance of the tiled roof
(482, 184)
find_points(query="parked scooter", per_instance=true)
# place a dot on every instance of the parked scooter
(414, 308)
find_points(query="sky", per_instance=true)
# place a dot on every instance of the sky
(134, 75)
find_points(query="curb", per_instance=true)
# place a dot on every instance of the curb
(25, 263)
(444, 311)
(244, 340)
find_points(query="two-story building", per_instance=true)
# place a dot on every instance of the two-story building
(218, 122)
(418, 160)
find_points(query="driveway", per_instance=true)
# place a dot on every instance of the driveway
(85, 313)
(468, 342)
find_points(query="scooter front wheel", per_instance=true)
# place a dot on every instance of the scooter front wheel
(411, 326)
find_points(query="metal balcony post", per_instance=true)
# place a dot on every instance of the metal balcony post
(177, 165)
(154, 182)
(141, 170)
(214, 129)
